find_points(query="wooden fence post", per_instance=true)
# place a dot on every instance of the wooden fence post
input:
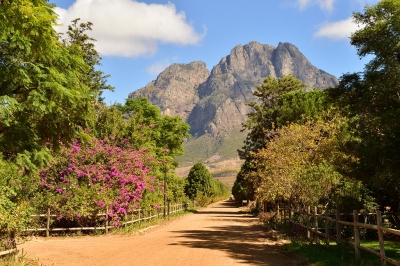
(106, 219)
(301, 217)
(326, 226)
(278, 215)
(169, 205)
(380, 236)
(366, 222)
(338, 229)
(48, 223)
(307, 222)
(356, 236)
(284, 213)
(316, 222)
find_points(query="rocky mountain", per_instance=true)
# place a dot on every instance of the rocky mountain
(175, 90)
(214, 103)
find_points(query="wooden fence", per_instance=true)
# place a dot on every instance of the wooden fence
(308, 218)
(136, 216)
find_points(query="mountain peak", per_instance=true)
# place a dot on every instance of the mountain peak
(175, 89)
(214, 103)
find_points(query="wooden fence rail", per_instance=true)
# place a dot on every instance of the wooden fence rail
(6, 252)
(136, 216)
(309, 219)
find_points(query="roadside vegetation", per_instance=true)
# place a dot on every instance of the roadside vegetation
(338, 148)
(62, 149)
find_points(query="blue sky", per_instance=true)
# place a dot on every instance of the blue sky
(138, 39)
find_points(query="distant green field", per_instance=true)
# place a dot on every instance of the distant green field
(202, 148)
(227, 176)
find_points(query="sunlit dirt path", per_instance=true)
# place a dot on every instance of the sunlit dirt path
(216, 235)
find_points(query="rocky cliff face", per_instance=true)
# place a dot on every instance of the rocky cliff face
(175, 89)
(214, 103)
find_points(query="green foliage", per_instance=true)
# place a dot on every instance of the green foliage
(157, 132)
(145, 127)
(220, 191)
(371, 101)
(322, 255)
(295, 105)
(380, 36)
(108, 121)
(201, 186)
(50, 100)
(46, 94)
(95, 79)
(292, 150)
(14, 206)
(300, 164)
(243, 187)
(176, 189)
(264, 117)
(199, 180)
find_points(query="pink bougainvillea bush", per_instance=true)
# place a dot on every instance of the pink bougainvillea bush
(95, 177)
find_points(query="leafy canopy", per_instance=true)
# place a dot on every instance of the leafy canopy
(47, 86)
(371, 100)
(263, 119)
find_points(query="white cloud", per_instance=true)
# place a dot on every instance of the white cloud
(323, 4)
(129, 28)
(158, 67)
(338, 30)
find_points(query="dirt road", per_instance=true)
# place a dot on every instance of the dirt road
(216, 235)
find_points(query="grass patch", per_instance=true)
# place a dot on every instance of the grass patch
(201, 148)
(225, 172)
(197, 150)
(319, 254)
(392, 248)
(19, 259)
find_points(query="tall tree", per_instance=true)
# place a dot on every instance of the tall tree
(300, 164)
(44, 96)
(161, 133)
(263, 119)
(199, 181)
(372, 100)
(95, 79)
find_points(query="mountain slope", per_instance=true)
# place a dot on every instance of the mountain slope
(214, 103)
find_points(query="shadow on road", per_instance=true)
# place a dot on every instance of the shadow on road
(242, 242)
